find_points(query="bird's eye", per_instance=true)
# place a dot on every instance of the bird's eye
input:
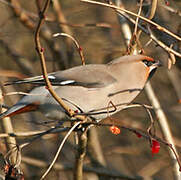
(148, 63)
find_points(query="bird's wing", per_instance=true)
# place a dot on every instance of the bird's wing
(89, 76)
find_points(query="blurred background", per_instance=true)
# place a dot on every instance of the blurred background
(98, 31)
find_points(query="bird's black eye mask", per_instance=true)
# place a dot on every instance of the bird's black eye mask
(151, 73)
(148, 63)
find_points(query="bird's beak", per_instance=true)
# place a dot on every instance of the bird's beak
(158, 64)
(153, 68)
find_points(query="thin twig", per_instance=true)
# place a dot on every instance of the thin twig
(174, 76)
(171, 9)
(165, 128)
(51, 130)
(162, 119)
(94, 148)
(65, 29)
(40, 51)
(21, 61)
(8, 128)
(101, 171)
(80, 154)
(24, 17)
(158, 42)
(75, 42)
(59, 149)
(152, 9)
(133, 14)
(126, 30)
(137, 18)
(33, 133)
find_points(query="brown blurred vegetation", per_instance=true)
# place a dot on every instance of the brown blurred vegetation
(124, 153)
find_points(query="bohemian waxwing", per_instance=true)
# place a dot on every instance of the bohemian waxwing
(88, 89)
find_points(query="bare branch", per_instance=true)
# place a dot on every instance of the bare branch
(59, 149)
(81, 151)
(68, 166)
(75, 42)
(164, 127)
(8, 128)
(133, 14)
(42, 60)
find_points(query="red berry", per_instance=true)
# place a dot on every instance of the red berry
(76, 111)
(155, 147)
(115, 130)
(138, 135)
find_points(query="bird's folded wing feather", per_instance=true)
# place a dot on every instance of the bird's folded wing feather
(89, 76)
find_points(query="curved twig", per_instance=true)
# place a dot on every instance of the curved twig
(75, 42)
(33, 133)
(136, 15)
(59, 149)
(40, 51)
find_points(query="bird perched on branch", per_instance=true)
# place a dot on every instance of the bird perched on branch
(88, 89)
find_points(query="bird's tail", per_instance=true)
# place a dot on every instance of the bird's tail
(18, 108)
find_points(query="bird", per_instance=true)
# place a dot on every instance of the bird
(94, 90)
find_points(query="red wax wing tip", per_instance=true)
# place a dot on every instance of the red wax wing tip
(155, 147)
(46, 87)
(76, 111)
(138, 135)
(115, 130)
(27, 108)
